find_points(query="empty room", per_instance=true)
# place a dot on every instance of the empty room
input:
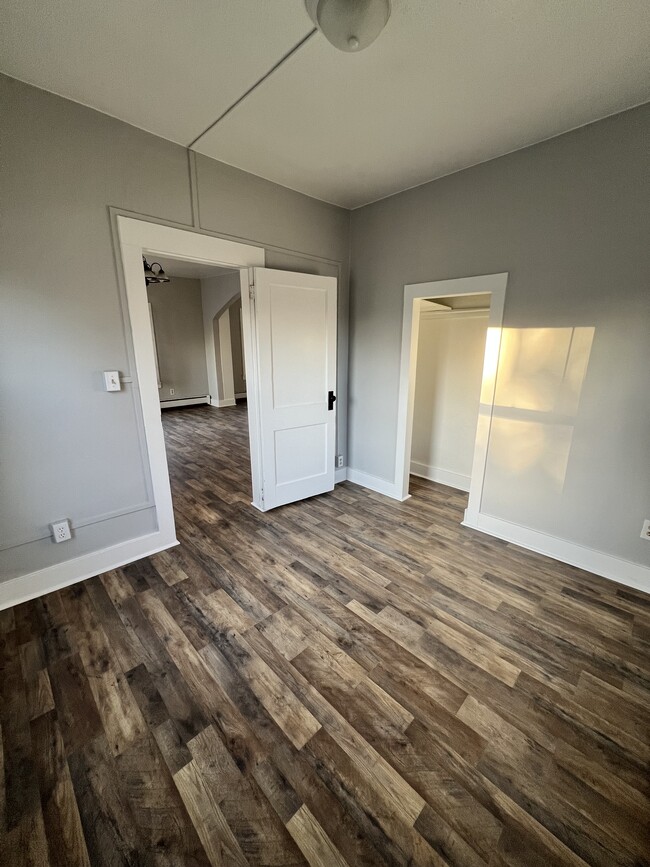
(325, 433)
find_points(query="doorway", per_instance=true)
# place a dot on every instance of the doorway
(136, 237)
(448, 295)
(451, 347)
(198, 352)
(285, 316)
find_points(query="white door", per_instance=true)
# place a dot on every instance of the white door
(295, 325)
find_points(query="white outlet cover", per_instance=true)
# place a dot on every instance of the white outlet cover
(645, 532)
(60, 531)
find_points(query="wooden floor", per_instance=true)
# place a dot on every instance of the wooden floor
(348, 680)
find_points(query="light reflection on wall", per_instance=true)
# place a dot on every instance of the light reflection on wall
(538, 384)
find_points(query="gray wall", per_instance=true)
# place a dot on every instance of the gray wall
(178, 323)
(568, 219)
(67, 448)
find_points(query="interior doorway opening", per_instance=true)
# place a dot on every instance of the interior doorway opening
(448, 374)
(198, 352)
(286, 316)
(198, 341)
(448, 298)
(135, 237)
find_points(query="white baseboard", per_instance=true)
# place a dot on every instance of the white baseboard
(229, 401)
(615, 568)
(25, 587)
(340, 475)
(240, 396)
(374, 483)
(443, 477)
(184, 401)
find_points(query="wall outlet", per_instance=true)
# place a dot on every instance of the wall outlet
(645, 532)
(61, 531)
(339, 462)
(172, 391)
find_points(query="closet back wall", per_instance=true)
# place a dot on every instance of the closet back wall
(447, 393)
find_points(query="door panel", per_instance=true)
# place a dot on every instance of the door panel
(300, 453)
(296, 337)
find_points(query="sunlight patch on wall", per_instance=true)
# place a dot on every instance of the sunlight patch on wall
(540, 376)
(491, 360)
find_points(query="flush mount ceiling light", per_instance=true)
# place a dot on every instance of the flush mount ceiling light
(154, 273)
(350, 25)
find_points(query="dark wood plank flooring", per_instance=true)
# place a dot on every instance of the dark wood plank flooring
(347, 680)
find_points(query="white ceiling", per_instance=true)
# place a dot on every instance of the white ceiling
(479, 300)
(448, 84)
(167, 66)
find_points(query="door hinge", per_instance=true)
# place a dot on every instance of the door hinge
(262, 495)
(251, 292)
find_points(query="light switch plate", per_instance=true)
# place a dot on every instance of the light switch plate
(112, 380)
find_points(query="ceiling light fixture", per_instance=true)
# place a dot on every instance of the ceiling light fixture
(350, 25)
(154, 273)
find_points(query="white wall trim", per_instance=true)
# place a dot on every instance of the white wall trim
(189, 401)
(251, 363)
(25, 587)
(443, 477)
(615, 568)
(340, 475)
(240, 395)
(228, 401)
(375, 483)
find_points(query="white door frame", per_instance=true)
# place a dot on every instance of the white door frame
(495, 286)
(136, 237)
